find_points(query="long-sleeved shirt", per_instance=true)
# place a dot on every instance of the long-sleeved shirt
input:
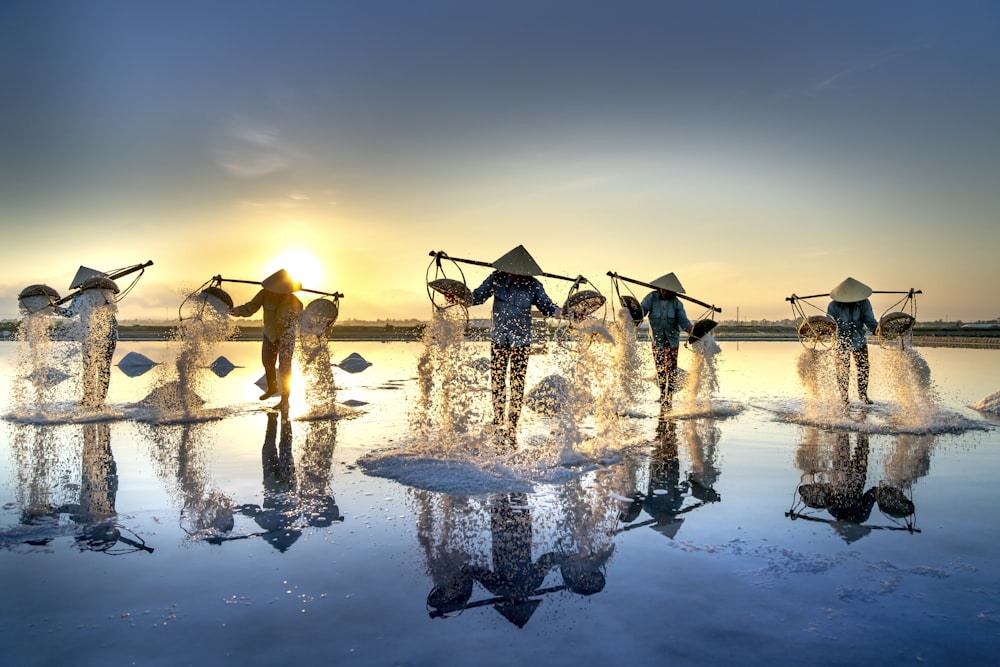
(513, 297)
(281, 311)
(852, 318)
(666, 319)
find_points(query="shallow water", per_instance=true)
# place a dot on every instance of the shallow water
(385, 531)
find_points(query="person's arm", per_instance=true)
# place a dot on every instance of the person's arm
(542, 301)
(682, 319)
(250, 307)
(868, 316)
(647, 304)
(484, 291)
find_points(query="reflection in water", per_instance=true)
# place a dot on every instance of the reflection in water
(277, 513)
(180, 457)
(512, 556)
(295, 497)
(835, 475)
(666, 496)
(52, 506)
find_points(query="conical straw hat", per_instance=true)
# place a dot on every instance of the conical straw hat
(850, 291)
(518, 262)
(281, 282)
(670, 283)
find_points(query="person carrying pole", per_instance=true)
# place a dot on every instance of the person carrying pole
(666, 320)
(514, 290)
(281, 312)
(852, 311)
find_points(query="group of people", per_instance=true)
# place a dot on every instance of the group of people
(514, 290)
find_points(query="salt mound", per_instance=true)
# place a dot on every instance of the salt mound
(989, 404)
(550, 396)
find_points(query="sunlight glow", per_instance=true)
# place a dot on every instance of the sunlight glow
(303, 266)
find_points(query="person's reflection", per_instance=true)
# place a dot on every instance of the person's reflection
(835, 477)
(93, 511)
(515, 576)
(666, 495)
(849, 503)
(278, 512)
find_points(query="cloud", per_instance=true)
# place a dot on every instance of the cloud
(249, 151)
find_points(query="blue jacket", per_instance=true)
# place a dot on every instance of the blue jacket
(666, 319)
(513, 297)
(852, 318)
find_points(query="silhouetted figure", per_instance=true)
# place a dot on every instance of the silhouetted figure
(666, 320)
(852, 311)
(281, 313)
(514, 291)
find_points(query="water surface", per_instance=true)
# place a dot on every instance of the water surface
(372, 535)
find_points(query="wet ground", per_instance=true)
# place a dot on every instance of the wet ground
(750, 530)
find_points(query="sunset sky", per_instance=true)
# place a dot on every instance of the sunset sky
(756, 149)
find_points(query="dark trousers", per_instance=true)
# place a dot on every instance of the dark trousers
(508, 368)
(277, 360)
(665, 360)
(844, 352)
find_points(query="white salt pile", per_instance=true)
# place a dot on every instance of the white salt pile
(989, 404)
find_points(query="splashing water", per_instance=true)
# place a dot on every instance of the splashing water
(908, 381)
(320, 382)
(818, 375)
(39, 374)
(703, 375)
(594, 378)
(445, 406)
(626, 362)
(177, 392)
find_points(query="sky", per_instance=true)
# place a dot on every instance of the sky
(755, 149)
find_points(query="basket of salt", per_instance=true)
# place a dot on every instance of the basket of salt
(583, 303)
(817, 329)
(453, 290)
(894, 325)
(632, 305)
(319, 316)
(34, 298)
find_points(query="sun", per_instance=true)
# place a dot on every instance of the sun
(302, 265)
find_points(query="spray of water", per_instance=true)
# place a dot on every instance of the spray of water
(446, 406)
(627, 363)
(41, 367)
(907, 380)
(177, 395)
(703, 375)
(317, 369)
(818, 375)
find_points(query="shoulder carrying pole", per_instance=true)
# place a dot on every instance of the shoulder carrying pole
(441, 254)
(679, 296)
(121, 273)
